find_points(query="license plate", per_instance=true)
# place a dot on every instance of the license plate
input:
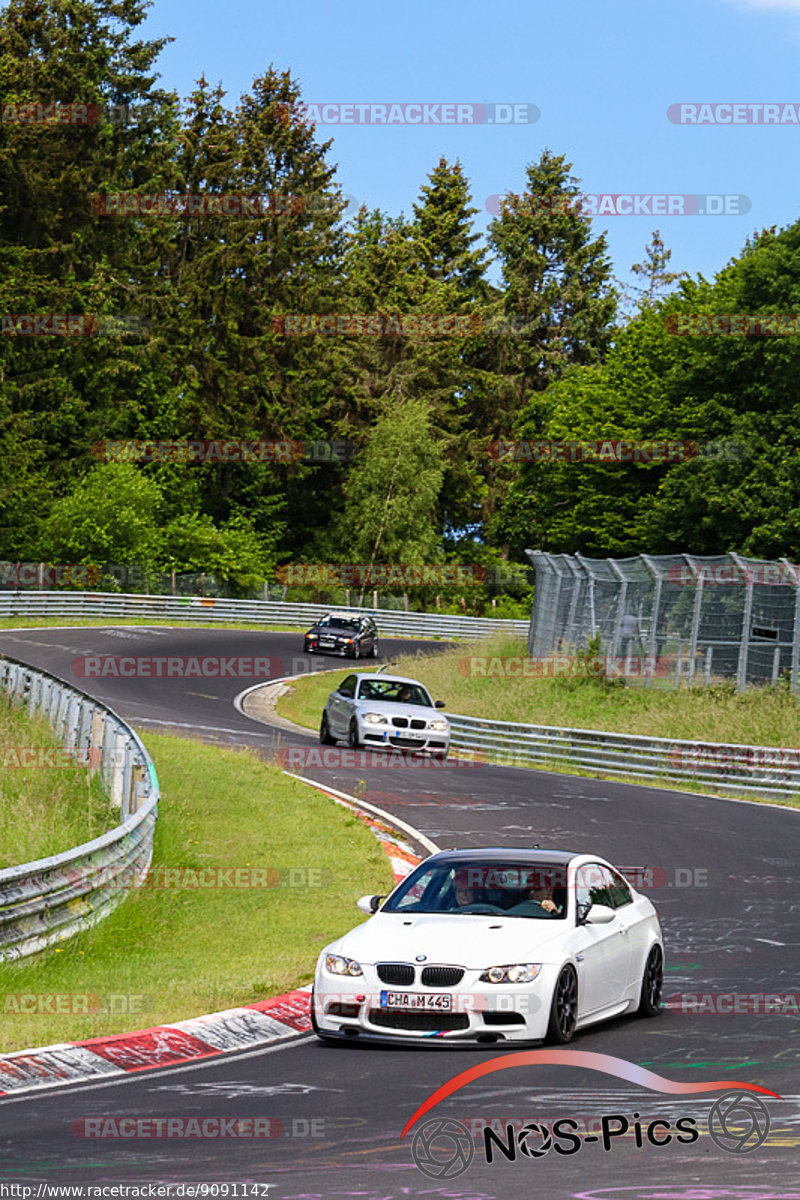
(326, 643)
(435, 1001)
(409, 733)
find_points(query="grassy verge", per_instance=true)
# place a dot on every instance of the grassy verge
(170, 952)
(44, 809)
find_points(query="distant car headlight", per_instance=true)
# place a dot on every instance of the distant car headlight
(516, 973)
(440, 725)
(376, 719)
(337, 965)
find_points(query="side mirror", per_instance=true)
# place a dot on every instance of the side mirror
(439, 704)
(369, 904)
(599, 914)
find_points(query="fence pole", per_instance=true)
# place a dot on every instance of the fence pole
(794, 669)
(744, 645)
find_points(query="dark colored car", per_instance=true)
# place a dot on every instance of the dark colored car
(347, 634)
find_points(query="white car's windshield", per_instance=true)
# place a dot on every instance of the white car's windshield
(531, 890)
(394, 691)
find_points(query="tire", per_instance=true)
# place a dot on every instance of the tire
(356, 651)
(564, 1008)
(325, 735)
(352, 735)
(374, 649)
(652, 982)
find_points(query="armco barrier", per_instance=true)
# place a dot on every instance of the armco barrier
(53, 898)
(390, 622)
(760, 770)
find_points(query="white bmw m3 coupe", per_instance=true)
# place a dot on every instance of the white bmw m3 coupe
(493, 945)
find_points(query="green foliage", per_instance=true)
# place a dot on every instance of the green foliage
(191, 347)
(110, 517)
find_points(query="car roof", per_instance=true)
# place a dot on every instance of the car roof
(498, 853)
(371, 675)
(342, 616)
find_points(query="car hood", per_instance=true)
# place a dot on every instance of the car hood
(471, 941)
(332, 631)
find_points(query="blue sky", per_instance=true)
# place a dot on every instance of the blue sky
(601, 72)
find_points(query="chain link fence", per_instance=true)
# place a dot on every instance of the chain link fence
(671, 618)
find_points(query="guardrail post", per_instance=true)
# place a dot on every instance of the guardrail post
(126, 781)
(138, 783)
(96, 739)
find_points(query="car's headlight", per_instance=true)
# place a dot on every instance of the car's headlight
(376, 719)
(337, 965)
(516, 973)
(441, 725)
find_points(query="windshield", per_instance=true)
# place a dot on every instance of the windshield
(394, 691)
(338, 622)
(528, 890)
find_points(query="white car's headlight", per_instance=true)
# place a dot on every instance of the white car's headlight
(376, 719)
(440, 725)
(337, 965)
(516, 973)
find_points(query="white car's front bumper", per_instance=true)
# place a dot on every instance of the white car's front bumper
(403, 738)
(351, 1007)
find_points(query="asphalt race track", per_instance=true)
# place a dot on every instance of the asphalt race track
(728, 903)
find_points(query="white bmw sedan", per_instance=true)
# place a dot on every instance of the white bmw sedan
(384, 710)
(493, 945)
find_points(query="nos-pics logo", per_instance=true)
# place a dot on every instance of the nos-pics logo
(443, 1148)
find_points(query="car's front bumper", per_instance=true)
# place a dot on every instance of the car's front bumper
(350, 1007)
(376, 736)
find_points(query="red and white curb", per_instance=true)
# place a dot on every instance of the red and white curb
(198, 1037)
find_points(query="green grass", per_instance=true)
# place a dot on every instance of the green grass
(44, 809)
(180, 952)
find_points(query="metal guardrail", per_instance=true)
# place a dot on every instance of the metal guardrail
(759, 770)
(51, 899)
(269, 612)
